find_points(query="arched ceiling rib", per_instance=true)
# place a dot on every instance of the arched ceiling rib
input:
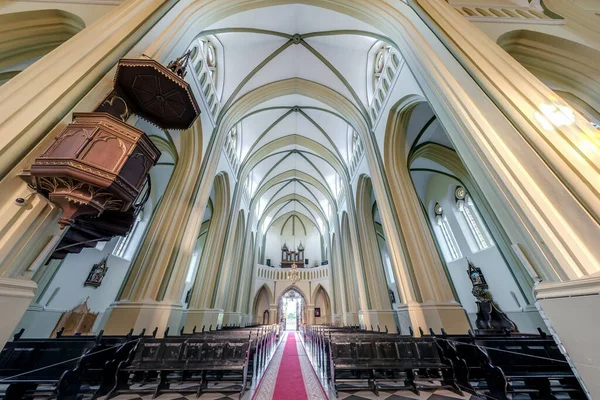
(295, 85)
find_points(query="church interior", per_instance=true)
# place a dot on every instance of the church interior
(299, 199)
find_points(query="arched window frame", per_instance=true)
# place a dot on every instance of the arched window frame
(124, 244)
(209, 51)
(471, 216)
(452, 247)
(380, 63)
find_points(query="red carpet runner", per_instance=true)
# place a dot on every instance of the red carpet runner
(290, 383)
(290, 375)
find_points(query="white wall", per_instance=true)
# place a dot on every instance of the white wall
(311, 241)
(502, 285)
(66, 290)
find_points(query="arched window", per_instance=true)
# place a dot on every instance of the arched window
(125, 244)
(210, 56)
(451, 244)
(381, 58)
(231, 145)
(465, 205)
(232, 139)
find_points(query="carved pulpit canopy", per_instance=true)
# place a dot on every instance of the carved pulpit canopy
(157, 93)
(99, 162)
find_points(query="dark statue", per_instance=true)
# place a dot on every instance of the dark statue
(490, 319)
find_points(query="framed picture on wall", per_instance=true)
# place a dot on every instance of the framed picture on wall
(97, 274)
(317, 312)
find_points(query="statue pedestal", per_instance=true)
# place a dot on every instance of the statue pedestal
(491, 320)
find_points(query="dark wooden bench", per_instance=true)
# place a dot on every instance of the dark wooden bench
(510, 365)
(358, 361)
(60, 366)
(192, 359)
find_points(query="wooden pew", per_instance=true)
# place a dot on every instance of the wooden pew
(61, 365)
(366, 361)
(184, 359)
(66, 366)
(508, 365)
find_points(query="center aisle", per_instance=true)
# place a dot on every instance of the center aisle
(290, 375)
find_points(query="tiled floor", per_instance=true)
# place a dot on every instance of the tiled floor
(405, 395)
(363, 395)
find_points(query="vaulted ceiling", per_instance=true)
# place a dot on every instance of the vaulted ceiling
(294, 151)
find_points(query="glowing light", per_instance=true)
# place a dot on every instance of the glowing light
(552, 116)
(587, 146)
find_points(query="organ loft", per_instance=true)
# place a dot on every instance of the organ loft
(289, 257)
(299, 199)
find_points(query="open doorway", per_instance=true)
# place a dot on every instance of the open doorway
(291, 307)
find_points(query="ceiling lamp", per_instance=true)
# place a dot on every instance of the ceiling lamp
(293, 275)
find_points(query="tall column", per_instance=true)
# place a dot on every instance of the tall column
(202, 309)
(243, 302)
(151, 294)
(349, 272)
(545, 167)
(230, 284)
(436, 307)
(380, 312)
(338, 279)
(31, 104)
(26, 232)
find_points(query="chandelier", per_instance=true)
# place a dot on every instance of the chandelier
(293, 275)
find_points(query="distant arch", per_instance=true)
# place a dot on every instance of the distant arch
(322, 301)
(28, 35)
(561, 64)
(262, 302)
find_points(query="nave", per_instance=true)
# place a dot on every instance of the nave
(183, 183)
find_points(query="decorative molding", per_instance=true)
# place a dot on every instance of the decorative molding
(579, 287)
(17, 288)
(484, 13)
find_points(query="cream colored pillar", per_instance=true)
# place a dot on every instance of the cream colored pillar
(310, 314)
(230, 284)
(380, 311)
(547, 168)
(431, 303)
(274, 316)
(349, 269)
(338, 279)
(242, 298)
(31, 104)
(152, 290)
(202, 309)
(28, 233)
